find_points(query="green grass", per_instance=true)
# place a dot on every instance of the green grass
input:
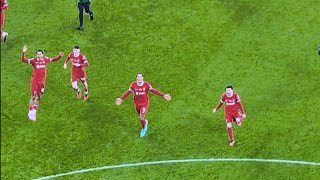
(190, 49)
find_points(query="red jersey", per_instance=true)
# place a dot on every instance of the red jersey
(232, 104)
(81, 60)
(39, 67)
(140, 92)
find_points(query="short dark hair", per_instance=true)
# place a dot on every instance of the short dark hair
(229, 87)
(140, 73)
(76, 47)
(39, 51)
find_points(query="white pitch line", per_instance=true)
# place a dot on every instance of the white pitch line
(180, 161)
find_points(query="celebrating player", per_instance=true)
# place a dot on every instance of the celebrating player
(79, 61)
(39, 64)
(3, 7)
(141, 99)
(233, 111)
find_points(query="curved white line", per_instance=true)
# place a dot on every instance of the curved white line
(180, 161)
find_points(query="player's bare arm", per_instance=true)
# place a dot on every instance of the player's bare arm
(23, 56)
(120, 99)
(218, 107)
(57, 57)
(66, 62)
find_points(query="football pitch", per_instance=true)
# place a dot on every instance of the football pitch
(191, 49)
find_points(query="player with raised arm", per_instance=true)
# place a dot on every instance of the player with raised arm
(233, 110)
(140, 90)
(38, 80)
(78, 72)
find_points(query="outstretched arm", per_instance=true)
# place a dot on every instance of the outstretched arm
(120, 99)
(126, 94)
(159, 93)
(23, 56)
(57, 57)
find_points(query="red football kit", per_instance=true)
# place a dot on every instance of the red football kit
(3, 6)
(77, 72)
(141, 97)
(39, 74)
(233, 107)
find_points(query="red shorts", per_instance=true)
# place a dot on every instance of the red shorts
(80, 74)
(142, 108)
(37, 86)
(232, 117)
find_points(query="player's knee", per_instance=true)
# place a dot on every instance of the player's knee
(74, 85)
(142, 116)
(37, 97)
(33, 97)
(229, 125)
(83, 80)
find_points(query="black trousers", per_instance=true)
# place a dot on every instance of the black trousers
(82, 6)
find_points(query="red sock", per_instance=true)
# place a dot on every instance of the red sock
(230, 132)
(30, 108)
(143, 123)
(35, 107)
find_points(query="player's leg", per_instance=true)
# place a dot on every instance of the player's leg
(4, 35)
(31, 113)
(143, 120)
(76, 88)
(33, 91)
(37, 97)
(88, 10)
(138, 107)
(80, 7)
(229, 120)
(142, 115)
(74, 84)
(86, 89)
(40, 92)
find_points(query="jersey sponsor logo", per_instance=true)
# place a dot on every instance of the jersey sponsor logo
(140, 93)
(75, 60)
(230, 102)
(40, 66)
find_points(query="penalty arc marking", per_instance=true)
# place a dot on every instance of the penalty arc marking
(180, 161)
